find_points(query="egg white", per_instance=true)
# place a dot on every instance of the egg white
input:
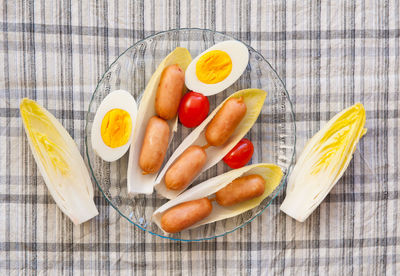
(120, 99)
(239, 54)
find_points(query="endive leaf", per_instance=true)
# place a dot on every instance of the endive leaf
(323, 161)
(59, 161)
(254, 99)
(137, 182)
(271, 173)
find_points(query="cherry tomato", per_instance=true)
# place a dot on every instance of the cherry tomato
(240, 155)
(193, 109)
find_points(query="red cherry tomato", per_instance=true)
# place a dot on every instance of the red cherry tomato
(240, 155)
(193, 109)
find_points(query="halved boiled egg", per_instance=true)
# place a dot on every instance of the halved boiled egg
(113, 125)
(217, 68)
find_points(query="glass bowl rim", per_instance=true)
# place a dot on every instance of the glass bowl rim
(283, 181)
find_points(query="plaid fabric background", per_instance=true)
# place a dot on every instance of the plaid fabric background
(329, 53)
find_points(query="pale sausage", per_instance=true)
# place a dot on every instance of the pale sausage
(155, 144)
(241, 189)
(225, 121)
(185, 215)
(185, 168)
(169, 92)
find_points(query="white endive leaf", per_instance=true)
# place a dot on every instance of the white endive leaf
(137, 182)
(271, 173)
(254, 99)
(323, 161)
(59, 161)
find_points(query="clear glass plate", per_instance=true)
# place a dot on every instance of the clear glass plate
(273, 135)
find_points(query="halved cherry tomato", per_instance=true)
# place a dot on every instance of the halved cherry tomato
(193, 109)
(240, 155)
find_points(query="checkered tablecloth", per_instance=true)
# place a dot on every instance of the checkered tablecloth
(330, 54)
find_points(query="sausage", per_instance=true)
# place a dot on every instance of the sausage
(155, 144)
(225, 121)
(185, 215)
(241, 189)
(169, 92)
(185, 168)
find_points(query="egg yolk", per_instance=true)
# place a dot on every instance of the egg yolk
(213, 67)
(116, 128)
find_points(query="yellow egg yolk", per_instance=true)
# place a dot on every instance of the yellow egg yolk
(213, 67)
(116, 128)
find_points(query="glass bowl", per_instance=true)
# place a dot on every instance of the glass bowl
(273, 135)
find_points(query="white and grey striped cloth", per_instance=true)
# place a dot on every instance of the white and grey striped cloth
(329, 53)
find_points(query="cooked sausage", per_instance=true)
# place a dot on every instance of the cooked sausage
(225, 121)
(155, 144)
(185, 215)
(169, 91)
(185, 168)
(241, 189)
